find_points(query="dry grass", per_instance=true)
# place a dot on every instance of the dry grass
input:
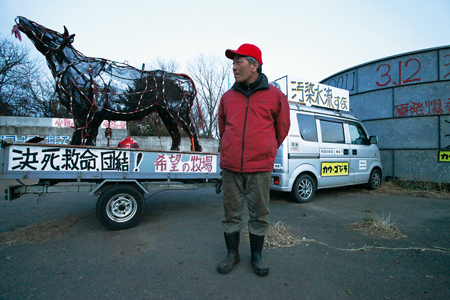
(415, 189)
(379, 227)
(39, 233)
(277, 236)
(281, 237)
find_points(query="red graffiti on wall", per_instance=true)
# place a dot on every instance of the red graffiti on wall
(412, 64)
(426, 108)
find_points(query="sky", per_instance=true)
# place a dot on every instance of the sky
(308, 39)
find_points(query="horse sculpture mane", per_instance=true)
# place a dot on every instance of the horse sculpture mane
(96, 89)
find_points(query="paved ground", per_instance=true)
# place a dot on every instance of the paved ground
(174, 251)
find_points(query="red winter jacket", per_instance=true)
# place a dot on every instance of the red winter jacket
(253, 122)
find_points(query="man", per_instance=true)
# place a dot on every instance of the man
(253, 122)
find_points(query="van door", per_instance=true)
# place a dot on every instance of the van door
(362, 153)
(303, 144)
(334, 153)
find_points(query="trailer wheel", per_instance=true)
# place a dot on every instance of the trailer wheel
(120, 207)
(303, 189)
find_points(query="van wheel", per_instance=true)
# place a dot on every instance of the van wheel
(375, 179)
(120, 207)
(303, 189)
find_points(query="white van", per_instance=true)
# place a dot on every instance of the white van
(325, 148)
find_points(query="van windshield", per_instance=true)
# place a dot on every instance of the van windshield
(358, 135)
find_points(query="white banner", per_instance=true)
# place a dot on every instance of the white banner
(42, 158)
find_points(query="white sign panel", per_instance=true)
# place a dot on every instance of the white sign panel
(327, 151)
(175, 163)
(312, 93)
(32, 158)
(362, 164)
(59, 122)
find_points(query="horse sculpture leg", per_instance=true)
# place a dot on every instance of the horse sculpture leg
(92, 131)
(195, 144)
(76, 137)
(79, 134)
(191, 132)
(188, 127)
(86, 134)
(172, 127)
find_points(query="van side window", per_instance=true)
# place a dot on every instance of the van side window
(307, 126)
(332, 132)
(358, 135)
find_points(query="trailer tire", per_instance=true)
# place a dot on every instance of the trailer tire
(120, 207)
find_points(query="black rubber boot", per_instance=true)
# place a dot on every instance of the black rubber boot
(257, 245)
(232, 242)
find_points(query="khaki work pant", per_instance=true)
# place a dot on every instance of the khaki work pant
(253, 187)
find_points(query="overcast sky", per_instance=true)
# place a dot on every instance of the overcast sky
(309, 39)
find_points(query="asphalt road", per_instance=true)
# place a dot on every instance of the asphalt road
(174, 251)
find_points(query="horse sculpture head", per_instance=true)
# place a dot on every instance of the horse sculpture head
(50, 43)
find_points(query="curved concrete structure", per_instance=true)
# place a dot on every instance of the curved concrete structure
(405, 101)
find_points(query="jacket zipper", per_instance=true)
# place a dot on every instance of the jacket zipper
(243, 133)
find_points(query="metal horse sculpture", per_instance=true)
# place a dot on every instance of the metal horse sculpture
(96, 89)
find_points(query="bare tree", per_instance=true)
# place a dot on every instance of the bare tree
(46, 102)
(15, 68)
(169, 65)
(24, 89)
(210, 74)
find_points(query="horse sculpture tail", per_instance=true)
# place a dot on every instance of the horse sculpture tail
(202, 120)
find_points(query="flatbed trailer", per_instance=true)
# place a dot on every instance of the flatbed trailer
(119, 176)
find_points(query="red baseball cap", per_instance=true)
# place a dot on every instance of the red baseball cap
(246, 50)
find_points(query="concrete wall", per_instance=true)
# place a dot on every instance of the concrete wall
(405, 101)
(165, 142)
(21, 129)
